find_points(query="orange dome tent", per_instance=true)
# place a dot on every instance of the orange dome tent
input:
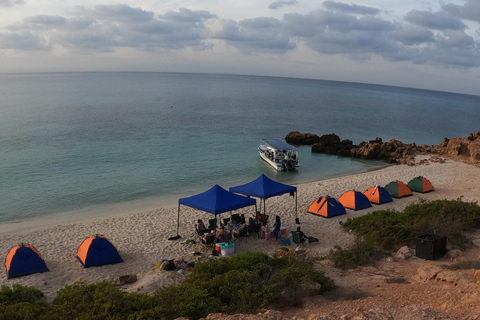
(354, 200)
(326, 207)
(97, 251)
(378, 195)
(420, 184)
(23, 260)
(398, 189)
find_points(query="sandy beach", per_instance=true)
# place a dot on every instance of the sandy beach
(142, 238)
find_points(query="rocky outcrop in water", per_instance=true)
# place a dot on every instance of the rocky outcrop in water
(393, 151)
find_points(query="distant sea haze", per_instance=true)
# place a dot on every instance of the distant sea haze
(71, 141)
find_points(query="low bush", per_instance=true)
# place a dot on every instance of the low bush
(359, 253)
(463, 265)
(244, 283)
(22, 303)
(389, 229)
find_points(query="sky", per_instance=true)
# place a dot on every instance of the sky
(411, 43)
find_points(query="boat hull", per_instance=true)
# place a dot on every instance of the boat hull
(276, 166)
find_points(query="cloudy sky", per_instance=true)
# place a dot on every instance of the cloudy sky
(414, 43)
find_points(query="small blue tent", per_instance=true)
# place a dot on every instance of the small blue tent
(354, 200)
(24, 259)
(97, 251)
(215, 201)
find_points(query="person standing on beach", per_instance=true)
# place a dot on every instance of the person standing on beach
(277, 225)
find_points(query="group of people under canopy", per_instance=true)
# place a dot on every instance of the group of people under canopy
(217, 200)
(224, 232)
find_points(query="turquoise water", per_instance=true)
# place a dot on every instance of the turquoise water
(70, 141)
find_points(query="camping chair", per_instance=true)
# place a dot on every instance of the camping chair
(212, 224)
(227, 236)
(240, 235)
(296, 238)
(209, 241)
(255, 231)
(236, 218)
(283, 239)
(263, 218)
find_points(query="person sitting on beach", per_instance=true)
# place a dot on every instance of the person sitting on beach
(251, 225)
(221, 234)
(302, 235)
(242, 219)
(210, 235)
(201, 229)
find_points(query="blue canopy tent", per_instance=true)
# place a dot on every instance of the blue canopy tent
(215, 201)
(264, 188)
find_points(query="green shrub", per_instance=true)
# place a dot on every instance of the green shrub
(397, 280)
(101, 300)
(390, 229)
(22, 303)
(359, 253)
(463, 265)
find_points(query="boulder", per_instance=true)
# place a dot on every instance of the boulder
(477, 276)
(393, 151)
(296, 137)
(428, 272)
(403, 253)
(453, 254)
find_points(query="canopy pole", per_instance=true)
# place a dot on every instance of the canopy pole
(296, 210)
(178, 219)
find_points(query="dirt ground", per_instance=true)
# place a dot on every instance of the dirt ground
(368, 292)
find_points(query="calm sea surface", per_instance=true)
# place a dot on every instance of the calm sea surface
(77, 141)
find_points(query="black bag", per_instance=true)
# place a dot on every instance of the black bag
(170, 265)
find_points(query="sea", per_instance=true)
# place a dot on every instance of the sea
(93, 144)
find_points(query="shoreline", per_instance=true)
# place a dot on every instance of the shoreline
(141, 237)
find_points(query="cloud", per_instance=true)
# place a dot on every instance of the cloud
(47, 21)
(435, 20)
(11, 3)
(350, 8)
(470, 10)
(412, 35)
(280, 4)
(350, 30)
(103, 28)
(253, 36)
(23, 41)
(121, 13)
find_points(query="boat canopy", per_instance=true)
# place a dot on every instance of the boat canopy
(279, 144)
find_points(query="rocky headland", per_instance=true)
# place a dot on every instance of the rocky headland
(393, 151)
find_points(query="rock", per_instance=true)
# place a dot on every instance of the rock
(403, 253)
(393, 151)
(453, 254)
(296, 137)
(477, 276)
(448, 276)
(428, 272)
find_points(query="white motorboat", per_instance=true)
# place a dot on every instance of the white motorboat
(279, 154)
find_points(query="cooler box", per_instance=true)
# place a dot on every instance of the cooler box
(218, 248)
(430, 247)
(227, 248)
(283, 230)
